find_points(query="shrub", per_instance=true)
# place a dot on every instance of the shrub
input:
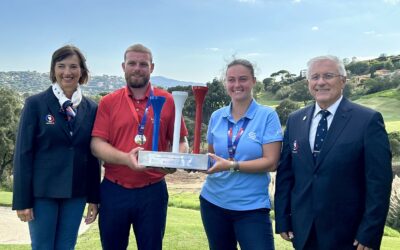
(285, 108)
(393, 218)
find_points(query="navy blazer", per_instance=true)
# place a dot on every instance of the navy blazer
(49, 162)
(346, 192)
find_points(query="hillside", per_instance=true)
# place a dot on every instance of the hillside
(386, 102)
(31, 82)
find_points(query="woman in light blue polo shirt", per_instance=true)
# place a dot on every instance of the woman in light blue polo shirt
(244, 139)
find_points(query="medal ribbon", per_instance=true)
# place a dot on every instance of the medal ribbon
(142, 123)
(232, 146)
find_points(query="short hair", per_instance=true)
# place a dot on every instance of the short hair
(245, 63)
(139, 48)
(67, 51)
(339, 63)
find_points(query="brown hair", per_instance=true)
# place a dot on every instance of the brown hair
(67, 51)
(245, 63)
(139, 48)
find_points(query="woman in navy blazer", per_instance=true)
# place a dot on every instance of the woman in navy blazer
(55, 173)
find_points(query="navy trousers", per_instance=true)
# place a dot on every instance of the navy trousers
(252, 229)
(143, 208)
(56, 223)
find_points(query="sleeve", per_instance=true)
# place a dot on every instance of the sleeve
(209, 130)
(284, 185)
(93, 182)
(184, 131)
(273, 129)
(23, 158)
(102, 122)
(93, 175)
(378, 180)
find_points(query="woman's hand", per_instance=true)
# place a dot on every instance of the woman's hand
(220, 164)
(92, 212)
(25, 215)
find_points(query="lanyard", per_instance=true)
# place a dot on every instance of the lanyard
(144, 118)
(232, 146)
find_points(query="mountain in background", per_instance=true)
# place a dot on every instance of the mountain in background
(167, 82)
(31, 82)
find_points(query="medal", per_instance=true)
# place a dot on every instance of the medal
(140, 139)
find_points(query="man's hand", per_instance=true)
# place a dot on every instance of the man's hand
(132, 160)
(287, 236)
(360, 246)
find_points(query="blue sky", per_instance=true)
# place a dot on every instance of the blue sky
(192, 40)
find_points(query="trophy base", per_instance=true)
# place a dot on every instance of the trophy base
(173, 160)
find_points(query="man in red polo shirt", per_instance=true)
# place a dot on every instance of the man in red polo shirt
(132, 194)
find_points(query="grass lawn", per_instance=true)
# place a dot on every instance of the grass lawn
(184, 228)
(5, 198)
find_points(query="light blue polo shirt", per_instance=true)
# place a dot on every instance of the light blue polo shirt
(237, 190)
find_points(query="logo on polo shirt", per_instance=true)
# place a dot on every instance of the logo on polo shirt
(252, 135)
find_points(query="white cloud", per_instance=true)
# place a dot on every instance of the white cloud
(296, 1)
(315, 28)
(213, 49)
(253, 54)
(393, 2)
(370, 32)
(247, 1)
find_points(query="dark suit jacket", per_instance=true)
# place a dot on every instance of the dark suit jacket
(48, 161)
(346, 192)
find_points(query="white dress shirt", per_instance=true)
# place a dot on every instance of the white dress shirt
(317, 116)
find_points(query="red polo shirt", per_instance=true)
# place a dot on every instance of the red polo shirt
(117, 121)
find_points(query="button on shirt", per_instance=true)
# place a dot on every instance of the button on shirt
(317, 117)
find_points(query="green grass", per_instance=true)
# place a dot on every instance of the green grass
(5, 198)
(184, 200)
(387, 103)
(184, 229)
(392, 126)
(267, 99)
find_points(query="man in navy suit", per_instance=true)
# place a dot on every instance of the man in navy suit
(334, 178)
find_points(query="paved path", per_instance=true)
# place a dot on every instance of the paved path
(14, 231)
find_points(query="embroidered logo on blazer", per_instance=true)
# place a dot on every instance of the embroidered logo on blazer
(50, 119)
(295, 147)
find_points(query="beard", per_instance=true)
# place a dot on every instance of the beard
(137, 83)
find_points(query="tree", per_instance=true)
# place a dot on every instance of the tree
(257, 89)
(358, 68)
(394, 139)
(284, 74)
(300, 92)
(10, 109)
(284, 108)
(216, 98)
(268, 82)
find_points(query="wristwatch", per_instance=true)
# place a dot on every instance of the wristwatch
(234, 166)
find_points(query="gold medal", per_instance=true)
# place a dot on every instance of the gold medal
(140, 139)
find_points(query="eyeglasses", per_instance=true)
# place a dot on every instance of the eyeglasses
(326, 76)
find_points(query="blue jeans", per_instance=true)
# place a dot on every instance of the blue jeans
(145, 208)
(225, 228)
(56, 223)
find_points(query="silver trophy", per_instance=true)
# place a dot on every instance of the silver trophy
(175, 159)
